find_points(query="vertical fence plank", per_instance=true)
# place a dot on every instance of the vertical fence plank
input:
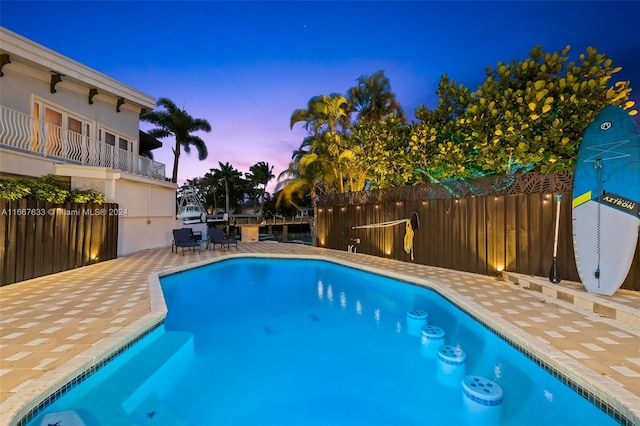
(491, 224)
(376, 236)
(80, 241)
(29, 241)
(535, 224)
(113, 241)
(38, 238)
(439, 243)
(10, 242)
(473, 262)
(21, 236)
(72, 236)
(548, 234)
(522, 234)
(96, 231)
(459, 252)
(426, 232)
(4, 212)
(483, 245)
(500, 234)
(511, 232)
(62, 239)
(48, 240)
(86, 253)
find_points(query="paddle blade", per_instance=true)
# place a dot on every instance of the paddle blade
(554, 273)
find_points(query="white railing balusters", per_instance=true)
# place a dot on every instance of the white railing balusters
(22, 132)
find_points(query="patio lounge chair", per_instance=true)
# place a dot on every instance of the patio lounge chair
(216, 236)
(183, 238)
(173, 243)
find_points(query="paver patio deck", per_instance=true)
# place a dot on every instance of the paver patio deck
(55, 327)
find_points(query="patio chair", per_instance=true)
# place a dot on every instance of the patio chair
(183, 238)
(173, 243)
(216, 236)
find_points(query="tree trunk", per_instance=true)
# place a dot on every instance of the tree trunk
(226, 189)
(312, 224)
(176, 157)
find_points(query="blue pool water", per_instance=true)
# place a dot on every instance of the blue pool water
(305, 342)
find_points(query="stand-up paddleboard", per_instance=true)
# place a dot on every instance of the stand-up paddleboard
(606, 200)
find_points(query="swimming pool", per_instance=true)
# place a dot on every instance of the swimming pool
(267, 341)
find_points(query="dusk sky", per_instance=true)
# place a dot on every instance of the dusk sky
(246, 66)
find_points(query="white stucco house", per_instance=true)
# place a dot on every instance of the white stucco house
(60, 117)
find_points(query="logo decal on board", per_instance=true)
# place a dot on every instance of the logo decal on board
(620, 203)
(606, 126)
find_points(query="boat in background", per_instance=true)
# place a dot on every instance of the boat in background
(190, 208)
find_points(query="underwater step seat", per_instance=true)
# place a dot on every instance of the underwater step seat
(117, 381)
(162, 362)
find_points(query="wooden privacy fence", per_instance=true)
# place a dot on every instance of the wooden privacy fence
(509, 225)
(39, 238)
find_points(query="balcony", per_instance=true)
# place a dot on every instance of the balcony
(24, 133)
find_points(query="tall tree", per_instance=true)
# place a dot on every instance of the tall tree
(324, 117)
(229, 176)
(383, 162)
(300, 179)
(210, 185)
(176, 122)
(323, 112)
(373, 99)
(261, 174)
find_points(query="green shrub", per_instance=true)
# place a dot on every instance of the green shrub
(86, 196)
(47, 188)
(47, 192)
(15, 189)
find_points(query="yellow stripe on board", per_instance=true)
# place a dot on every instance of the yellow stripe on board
(581, 199)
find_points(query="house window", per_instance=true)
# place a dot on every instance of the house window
(60, 133)
(123, 144)
(53, 131)
(119, 150)
(110, 138)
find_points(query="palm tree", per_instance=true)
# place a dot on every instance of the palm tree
(324, 112)
(372, 98)
(302, 178)
(176, 122)
(229, 175)
(327, 146)
(210, 184)
(261, 174)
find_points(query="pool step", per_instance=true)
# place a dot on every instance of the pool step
(622, 306)
(161, 363)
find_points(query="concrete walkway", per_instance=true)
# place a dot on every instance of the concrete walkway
(54, 328)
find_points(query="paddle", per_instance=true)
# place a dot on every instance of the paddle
(554, 273)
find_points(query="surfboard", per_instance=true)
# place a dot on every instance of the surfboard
(606, 200)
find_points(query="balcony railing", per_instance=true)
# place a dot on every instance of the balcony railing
(24, 133)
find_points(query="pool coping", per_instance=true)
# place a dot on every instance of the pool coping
(616, 397)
